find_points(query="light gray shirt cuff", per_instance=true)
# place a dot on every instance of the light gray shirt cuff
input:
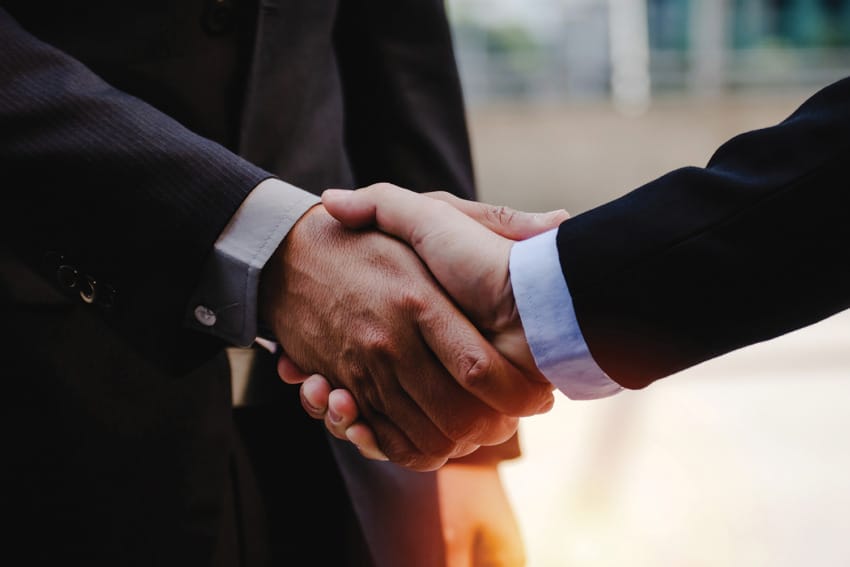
(225, 302)
(551, 328)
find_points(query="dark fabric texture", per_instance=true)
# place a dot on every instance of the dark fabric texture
(129, 134)
(703, 261)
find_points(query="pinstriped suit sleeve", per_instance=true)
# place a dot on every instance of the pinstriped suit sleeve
(126, 199)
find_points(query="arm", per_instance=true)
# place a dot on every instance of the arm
(478, 523)
(750, 247)
(405, 116)
(105, 191)
(453, 262)
(126, 199)
(710, 255)
(764, 221)
(371, 318)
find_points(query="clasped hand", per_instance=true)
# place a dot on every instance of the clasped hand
(417, 377)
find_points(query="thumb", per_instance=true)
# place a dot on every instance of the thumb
(504, 221)
(396, 211)
(288, 371)
(354, 209)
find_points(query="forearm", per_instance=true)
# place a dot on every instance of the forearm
(706, 260)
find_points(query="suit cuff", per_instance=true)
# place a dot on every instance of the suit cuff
(549, 320)
(225, 302)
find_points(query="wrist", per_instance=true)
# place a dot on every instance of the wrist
(272, 282)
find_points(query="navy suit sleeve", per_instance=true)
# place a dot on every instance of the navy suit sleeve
(122, 196)
(703, 261)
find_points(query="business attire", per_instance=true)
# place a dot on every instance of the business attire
(153, 154)
(697, 263)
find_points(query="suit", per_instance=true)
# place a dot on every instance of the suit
(130, 133)
(703, 261)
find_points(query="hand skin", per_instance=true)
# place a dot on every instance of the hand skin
(359, 308)
(479, 526)
(466, 245)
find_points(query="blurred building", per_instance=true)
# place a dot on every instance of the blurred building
(635, 49)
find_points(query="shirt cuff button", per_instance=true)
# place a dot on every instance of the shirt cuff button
(205, 316)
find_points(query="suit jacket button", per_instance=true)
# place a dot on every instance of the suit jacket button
(205, 316)
(218, 16)
(88, 289)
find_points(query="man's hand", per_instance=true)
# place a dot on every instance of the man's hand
(454, 242)
(466, 246)
(361, 309)
(479, 526)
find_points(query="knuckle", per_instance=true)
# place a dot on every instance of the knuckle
(538, 400)
(501, 214)
(467, 429)
(506, 427)
(410, 458)
(358, 375)
(382, 347)
(434, 446)
(413, 300)
(475, 370)
(425, 463)
(440, 195)
(381, 187)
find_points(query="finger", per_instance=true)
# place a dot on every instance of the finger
(364, 439)
(431, 380)
(362, 436)
(342, 403)
(288, 372)
(464, 449)
(481, 370)
(352, 211)
(342, 412)
(469, 261)
(314, 396)
(398, 211)
(431, 228)
(394, 210)
(504, 221)
(394, 443)
(404, 425)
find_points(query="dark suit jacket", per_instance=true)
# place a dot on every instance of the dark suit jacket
(130, 132)
(706, 260)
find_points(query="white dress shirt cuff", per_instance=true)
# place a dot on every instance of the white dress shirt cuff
(551, 328)
(225, 302)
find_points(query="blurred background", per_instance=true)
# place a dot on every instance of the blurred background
(741, 461)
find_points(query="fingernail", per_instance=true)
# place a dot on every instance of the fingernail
(335, 417)
(332, 193)
(311, 407)
(375, 455)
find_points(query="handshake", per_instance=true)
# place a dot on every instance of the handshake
(408, 340)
